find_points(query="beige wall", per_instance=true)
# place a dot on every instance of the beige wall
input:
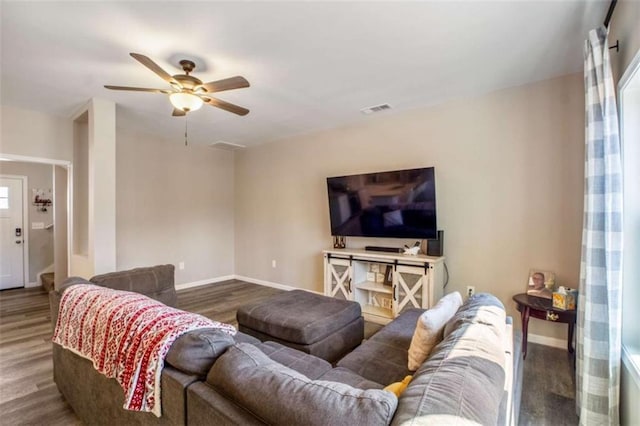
(509, 176)
(40, 176)
(31, 133)
(625, 27)
(173, 204)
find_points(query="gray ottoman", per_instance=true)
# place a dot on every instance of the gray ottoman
(318, 325)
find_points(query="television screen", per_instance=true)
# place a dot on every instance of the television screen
(398, 204)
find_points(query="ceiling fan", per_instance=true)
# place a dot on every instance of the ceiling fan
(187, 92)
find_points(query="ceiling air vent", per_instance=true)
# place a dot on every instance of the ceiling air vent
(375, 108)
(227, 146)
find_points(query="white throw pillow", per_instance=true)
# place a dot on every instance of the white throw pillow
(430, 327)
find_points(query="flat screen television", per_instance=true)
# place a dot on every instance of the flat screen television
(397, 204)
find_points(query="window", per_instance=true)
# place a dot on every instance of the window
(4, 197)
(630, 136)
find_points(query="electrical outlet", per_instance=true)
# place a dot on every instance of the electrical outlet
(471, 290)
(181, 266)
(273, 264)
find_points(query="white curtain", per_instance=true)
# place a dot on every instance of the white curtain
(599, 302)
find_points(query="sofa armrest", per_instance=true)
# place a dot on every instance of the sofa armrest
(54, 307)
(56, 295)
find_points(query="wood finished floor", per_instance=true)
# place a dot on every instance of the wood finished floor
(28, 395)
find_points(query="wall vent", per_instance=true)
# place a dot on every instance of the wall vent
(227, 146)
(375, 108)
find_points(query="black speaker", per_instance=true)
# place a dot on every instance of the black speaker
(436, 247)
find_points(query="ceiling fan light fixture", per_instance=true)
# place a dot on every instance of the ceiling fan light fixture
(185, 101)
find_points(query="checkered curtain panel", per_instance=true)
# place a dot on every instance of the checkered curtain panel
(599, 302)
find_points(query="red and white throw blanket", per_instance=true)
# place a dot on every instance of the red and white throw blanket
(126, 335)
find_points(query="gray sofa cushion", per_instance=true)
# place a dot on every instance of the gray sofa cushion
(463, 379)
(279, 395)
(383, 358)
(480, 308)
(195, 352)
(377, 361)
(156, 282)
(298, 316)
(309, 365)
(399, 331)
(348, 377)
(241, 337)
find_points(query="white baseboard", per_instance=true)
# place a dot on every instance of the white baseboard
(33, 284)
(547, 341)
(204, 282)
(265, 283)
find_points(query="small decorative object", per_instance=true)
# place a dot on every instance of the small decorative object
(541, 283)
(339, 242)
(388, 275)
(413, 251)
(42, 198)
(565, 298)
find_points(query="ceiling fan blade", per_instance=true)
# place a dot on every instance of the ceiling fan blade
(138, 89)
(155, 68)
(178, 113)
(236, 82)
(225, 106)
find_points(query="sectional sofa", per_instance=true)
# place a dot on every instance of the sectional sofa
(472, 376)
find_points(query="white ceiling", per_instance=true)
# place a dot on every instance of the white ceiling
(311, 65)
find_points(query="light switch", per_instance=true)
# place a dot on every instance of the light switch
(37, 225)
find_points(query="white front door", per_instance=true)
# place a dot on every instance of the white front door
(11, 234)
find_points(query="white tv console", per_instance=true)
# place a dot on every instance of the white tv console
(384, 284)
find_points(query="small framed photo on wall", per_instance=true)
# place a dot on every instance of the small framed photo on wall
(541, 283)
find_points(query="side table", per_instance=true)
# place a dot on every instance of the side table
(541, 308)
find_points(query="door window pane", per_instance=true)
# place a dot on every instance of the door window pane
(4, 197)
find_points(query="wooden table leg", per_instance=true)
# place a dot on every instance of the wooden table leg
(570, 337)
(525, 329)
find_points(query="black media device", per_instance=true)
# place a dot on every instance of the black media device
(384, 249)
(396, 204)
(436, 247)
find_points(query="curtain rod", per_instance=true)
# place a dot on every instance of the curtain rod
(610, 12)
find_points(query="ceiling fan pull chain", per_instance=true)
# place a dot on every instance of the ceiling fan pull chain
(185, 129)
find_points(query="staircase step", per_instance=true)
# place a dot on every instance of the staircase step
(47, 281)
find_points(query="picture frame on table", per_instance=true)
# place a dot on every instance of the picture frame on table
(541, 283)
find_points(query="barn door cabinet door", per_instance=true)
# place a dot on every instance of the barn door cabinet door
(338, 276)
(409, 288)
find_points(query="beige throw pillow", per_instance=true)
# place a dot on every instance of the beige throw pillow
(430, 327)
